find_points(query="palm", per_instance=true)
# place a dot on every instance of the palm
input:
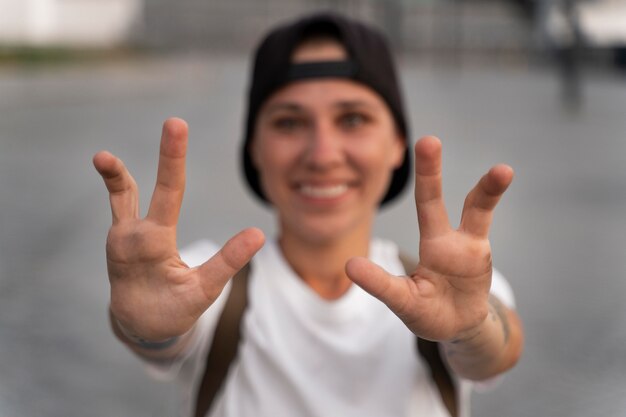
(147, 275)
(447, 294)
(153, 293)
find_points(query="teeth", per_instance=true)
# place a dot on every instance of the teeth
(323, 192)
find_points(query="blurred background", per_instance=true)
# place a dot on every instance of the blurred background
(538, 84)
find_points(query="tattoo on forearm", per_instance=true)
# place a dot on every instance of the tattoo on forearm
(497, 310)
(461, 346)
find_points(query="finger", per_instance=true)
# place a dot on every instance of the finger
(233, 256)
(431, 211)
(394, 291)
(170, 185)
(122, 188)
(482, 200)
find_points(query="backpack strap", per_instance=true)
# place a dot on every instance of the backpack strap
(223, 349)
(430, 352)
(225, 343)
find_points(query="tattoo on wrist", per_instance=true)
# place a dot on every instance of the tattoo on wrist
(147, 344)
(160, 345)
(465, 339)
(459, 345)
(497, 310)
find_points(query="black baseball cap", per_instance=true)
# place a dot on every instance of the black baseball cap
(369, 62)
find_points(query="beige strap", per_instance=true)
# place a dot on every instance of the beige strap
(225, 342)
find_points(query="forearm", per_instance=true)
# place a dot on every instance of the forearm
(163, 350)
(491, 348)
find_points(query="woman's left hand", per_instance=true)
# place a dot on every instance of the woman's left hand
(447, 297)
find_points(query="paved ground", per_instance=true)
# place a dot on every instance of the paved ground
(559, 235)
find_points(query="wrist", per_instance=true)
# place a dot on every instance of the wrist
(494, 323)
(469, 336)
(131, 338)
(489, 348)
(145, 343)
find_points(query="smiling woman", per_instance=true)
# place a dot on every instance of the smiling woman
(308, 325)
(325, 151)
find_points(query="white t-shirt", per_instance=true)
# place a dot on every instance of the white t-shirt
(301, 355)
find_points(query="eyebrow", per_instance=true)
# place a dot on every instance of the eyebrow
(343, 104)
(289, 106)
(352, 104)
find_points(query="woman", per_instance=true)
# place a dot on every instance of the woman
(325, 146)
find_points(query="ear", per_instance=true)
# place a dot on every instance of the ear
(399, 150)
(253, 151)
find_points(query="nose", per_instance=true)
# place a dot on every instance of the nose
(325, 148)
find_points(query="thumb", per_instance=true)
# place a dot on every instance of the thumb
(392, 290)
(233, 256)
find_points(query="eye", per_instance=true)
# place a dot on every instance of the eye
(353, 120)
(288, 123)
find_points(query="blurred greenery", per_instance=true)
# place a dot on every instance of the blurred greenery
(37, 56)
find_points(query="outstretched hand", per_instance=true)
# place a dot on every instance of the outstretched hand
(446, 297)
(154, 294)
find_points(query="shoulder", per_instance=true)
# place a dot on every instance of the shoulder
(198, 252)
(388, 255)
(501, 288)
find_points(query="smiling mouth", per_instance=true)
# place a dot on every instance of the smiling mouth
(318, 191)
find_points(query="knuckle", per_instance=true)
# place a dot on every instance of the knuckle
(135, 240)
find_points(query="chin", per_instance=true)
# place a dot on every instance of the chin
(329, 229)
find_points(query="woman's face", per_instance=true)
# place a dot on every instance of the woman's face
(325, 150)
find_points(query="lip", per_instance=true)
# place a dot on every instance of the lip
(323, 192)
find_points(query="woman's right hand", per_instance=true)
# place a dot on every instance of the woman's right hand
(154, 294)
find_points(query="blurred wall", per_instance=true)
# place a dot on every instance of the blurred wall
(412, 25)
(425, 26)
(77, 23)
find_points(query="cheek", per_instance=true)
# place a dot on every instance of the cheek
(377, 161)
(381, 156)
(275, 156)
(272, 161)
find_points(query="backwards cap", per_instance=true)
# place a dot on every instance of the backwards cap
(369, 63)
